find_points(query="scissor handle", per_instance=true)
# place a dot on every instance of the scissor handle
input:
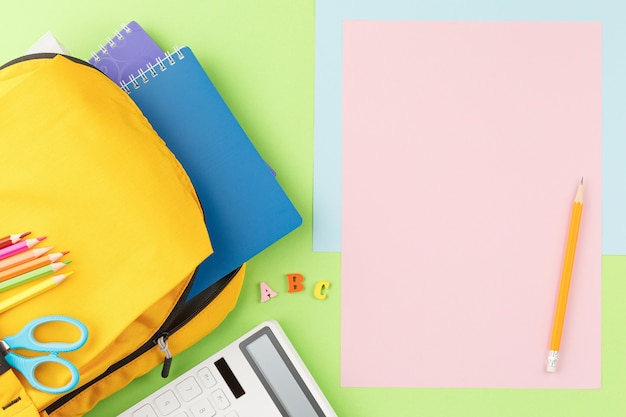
(28, 366)
(26, 337)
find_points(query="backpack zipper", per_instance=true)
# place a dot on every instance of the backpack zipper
(187, 312)
(167, 363)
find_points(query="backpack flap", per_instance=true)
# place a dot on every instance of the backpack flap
(80, 164)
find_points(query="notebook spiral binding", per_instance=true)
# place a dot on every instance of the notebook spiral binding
(152, 69)
(110, 42)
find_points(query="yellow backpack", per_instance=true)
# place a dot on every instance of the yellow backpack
(90, 173)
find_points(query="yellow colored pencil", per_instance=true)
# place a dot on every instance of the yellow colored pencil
(44, 285)
(566, 278)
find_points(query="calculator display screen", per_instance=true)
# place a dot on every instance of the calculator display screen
(281, 380)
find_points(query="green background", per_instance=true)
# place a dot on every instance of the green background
(260, 55)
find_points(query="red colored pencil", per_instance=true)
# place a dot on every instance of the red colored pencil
(11, 239)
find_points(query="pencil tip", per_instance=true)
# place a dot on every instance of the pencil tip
(41, 238)
(65, 252)
(24, 234)
(61, 277)
(581, 180)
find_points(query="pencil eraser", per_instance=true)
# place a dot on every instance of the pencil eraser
(553, 358)
(266, 292)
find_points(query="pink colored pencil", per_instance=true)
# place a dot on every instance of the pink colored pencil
(18, 247)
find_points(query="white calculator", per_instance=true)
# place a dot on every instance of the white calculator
(258, 375)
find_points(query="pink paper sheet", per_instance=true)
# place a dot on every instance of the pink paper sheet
(463, 145)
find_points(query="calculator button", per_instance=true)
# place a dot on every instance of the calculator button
(145, 411)
(219, 399)
(167, 403)
(206, 377)
(202, 408)
(189, 389)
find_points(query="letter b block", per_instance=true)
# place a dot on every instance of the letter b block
(295, 282)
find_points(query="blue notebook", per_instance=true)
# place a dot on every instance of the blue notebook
(245, 208)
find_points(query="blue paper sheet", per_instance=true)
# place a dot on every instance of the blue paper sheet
(328, 74)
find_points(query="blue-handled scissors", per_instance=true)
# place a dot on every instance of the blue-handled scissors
(26, 339)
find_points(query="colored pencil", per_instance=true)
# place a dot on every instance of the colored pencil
(11, 239)
(45, 285)
(18, 247)
(566, 277)
(30, 265)
(32, 275)
(20, 258)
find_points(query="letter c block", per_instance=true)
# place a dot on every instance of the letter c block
(319, 287)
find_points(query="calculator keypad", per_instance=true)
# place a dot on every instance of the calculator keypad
(197, 395)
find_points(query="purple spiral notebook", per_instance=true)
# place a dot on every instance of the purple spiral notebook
(128, 51)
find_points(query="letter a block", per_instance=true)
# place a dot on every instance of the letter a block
(267, 292)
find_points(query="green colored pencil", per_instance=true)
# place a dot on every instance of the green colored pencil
(32, 275)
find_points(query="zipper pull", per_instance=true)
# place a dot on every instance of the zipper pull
(167, 363)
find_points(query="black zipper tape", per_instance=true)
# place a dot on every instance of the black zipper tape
(182, 313)
(46, 55)
(189, 310)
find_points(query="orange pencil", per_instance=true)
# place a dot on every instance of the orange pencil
(566, 277)
(20, 258)
(30, 265)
